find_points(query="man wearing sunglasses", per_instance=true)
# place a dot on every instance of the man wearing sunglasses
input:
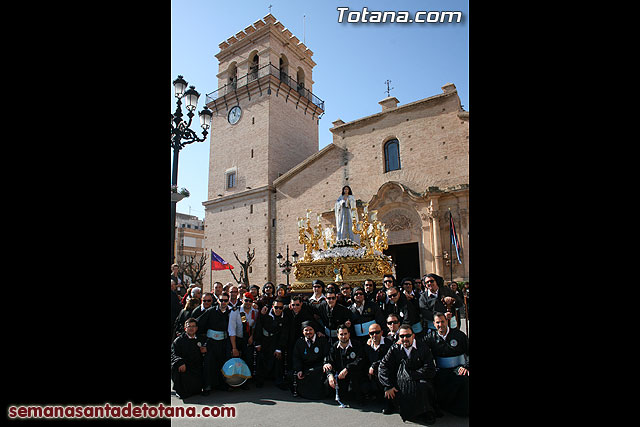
(271, 342)
(434, 299)
(369, 290)
(388, 281)
(407, 372)
(450, 349)
(363, 314)
(393, 327)
(268, 295)
(207, 302)
(241, 327)
(295, 314)
(377, 346)
(331, 315)
(406, 311)
(318, 292)
(213, 324)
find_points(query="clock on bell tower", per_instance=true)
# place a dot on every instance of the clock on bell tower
(265, 123)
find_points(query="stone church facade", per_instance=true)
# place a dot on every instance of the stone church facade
(410, 162)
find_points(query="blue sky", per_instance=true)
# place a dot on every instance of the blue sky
(353, 60)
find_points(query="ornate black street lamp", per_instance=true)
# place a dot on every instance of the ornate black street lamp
(182, 135)
(286, 265)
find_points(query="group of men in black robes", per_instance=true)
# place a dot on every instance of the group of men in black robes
(396, 345)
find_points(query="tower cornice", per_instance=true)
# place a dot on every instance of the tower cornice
(266, 25)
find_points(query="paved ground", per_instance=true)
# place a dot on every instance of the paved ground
(270, 406)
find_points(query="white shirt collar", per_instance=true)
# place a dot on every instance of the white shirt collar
(273, 316)
(374, 346)
(444, 337)
(348, 345)
(408, 350)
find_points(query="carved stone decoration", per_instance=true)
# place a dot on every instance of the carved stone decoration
(433, 213)
(393, 194)
(399, 222)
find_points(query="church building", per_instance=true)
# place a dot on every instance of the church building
(409, 162)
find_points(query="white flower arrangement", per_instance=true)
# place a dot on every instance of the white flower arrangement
(342, 252)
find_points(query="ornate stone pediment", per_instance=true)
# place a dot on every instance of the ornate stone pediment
(394, 192)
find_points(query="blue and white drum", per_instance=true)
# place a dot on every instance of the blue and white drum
(235, 372)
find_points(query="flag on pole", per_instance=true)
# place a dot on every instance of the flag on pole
(454, 238)
(217, 263)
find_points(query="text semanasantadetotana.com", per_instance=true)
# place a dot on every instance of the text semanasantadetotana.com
(115, 411)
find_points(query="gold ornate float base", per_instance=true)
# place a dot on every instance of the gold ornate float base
(340, 270)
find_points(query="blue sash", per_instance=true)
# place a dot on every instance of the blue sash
(450, 362)
(430, 324)
(216, 335)
(417, 328)
(362, 329)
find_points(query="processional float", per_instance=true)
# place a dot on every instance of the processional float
(342, 261)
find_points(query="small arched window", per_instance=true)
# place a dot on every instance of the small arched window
(284, 68)
(233, 75)
(253, 67)
(391, 155)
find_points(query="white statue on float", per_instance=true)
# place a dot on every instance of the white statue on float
(345, 210)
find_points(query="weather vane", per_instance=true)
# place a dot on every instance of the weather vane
(270, 6)
(388, 91)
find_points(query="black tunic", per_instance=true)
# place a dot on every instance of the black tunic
(185, 351)
(178, 326)
(213, 318)
(270, 334)
(294, 324)
(353, 359)
(452, 390)
(332, 318)
(406, 311)
(309, 361)
(218, 351)
(369, 312)
(430, 304)
(373, 359)
(411, 376)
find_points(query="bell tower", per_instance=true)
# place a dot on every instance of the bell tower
(265, 122)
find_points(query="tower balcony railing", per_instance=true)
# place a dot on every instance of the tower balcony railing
(259, 74)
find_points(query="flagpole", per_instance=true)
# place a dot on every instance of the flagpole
(450, 246)
(211, 274)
